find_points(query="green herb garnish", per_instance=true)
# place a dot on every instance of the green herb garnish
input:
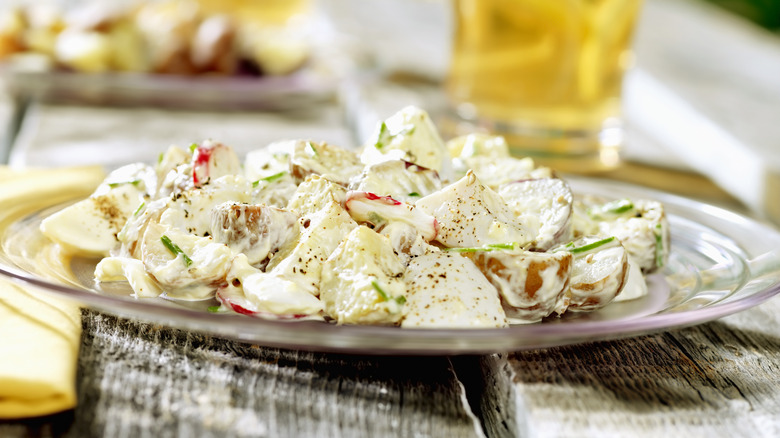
(414, 194)
(214, 309)
(510, 245)
(138, 210)
(588, 247)
(612, 208)
(175, 250)
(378, 289)
(488, 247)
(134, 182)
(383, 137)
(160, 158)
(193, 147)
(382, 294)
(270, 178)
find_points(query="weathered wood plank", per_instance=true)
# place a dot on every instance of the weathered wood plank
(140, 380)
(716, 379)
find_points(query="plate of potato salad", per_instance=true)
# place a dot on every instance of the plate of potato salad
(407, 244)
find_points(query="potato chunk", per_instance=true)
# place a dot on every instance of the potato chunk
(362, 280)
(398, 179)
(446, 290)
(532, 284)
(409, 135)
(187, 267)
(258, 231)
(331, 162)
(600, 271)
(471, 215)
(545, 202)
(640, 225)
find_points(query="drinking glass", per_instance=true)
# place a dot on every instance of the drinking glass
(545, 74)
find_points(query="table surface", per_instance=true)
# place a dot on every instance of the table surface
(139, 379)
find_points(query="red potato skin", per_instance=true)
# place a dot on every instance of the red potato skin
(533, 282)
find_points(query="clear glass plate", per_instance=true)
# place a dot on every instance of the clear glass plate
(295, 90)
(720, 263)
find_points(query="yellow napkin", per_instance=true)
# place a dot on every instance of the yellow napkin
(39, 334)
(39, 348)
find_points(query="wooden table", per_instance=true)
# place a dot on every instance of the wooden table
(139, 379)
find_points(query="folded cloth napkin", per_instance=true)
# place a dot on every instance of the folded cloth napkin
(39, 333)
(39, 348)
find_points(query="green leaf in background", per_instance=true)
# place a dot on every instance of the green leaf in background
(765, 13)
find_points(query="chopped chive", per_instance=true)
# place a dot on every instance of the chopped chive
(214, 309)
(488, 247)
(590, 246)
(134, 182)
(378, 289)
(383, 136)
(138, 210)
(510, 245)
(617, 207)
(274, 177)
(659, 245)
(464, 249)
(413, 194)
(401, 300)
(160, 158)
(193, 147)
(175, 250)
(270, 178)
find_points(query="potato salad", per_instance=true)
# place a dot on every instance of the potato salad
(408, 230)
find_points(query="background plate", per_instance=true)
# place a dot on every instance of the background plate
(720, 263)
(173, 91)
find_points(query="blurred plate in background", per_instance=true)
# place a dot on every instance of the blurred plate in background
(172, 91)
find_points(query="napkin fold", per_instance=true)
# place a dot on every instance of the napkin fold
(38, 350)
(40, 333)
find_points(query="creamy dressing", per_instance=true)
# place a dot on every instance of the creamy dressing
(471, 214)
(532, 285)
(545, 206)
(398, 179)
(361, 280)
(447, 290)
(308, 230)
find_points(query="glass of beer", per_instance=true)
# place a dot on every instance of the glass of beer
(545, 74)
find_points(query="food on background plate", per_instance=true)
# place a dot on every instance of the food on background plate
(165, 37)
(403, 232)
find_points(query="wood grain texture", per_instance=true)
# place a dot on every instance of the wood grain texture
(717, 379)
(143, 380)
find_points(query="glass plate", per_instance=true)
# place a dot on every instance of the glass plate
(295, 90)
(720, 263)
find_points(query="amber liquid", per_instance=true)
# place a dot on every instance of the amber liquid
(267, 12)
(546, 74)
